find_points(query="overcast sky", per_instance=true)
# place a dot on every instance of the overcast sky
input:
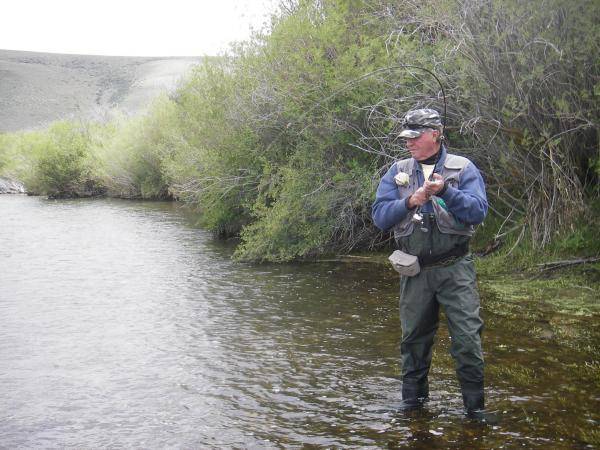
(130, 27)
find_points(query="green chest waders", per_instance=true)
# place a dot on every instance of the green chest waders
(447, 279)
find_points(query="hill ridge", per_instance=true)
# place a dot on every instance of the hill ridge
(39, 88)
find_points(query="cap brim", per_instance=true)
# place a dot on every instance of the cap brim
(411, 134)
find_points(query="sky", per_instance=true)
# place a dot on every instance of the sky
(130, 27)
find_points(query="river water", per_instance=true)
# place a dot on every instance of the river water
(124, 325)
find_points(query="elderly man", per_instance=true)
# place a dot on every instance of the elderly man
(432, 201)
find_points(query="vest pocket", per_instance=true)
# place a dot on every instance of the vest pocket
(452, 181)
(445, 220)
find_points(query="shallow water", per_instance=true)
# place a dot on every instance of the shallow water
(123, 325)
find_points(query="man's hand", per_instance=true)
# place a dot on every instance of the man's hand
(419, 198)
(435, 186)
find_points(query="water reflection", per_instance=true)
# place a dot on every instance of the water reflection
(122, 325)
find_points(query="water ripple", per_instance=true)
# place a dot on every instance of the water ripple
(123, 326)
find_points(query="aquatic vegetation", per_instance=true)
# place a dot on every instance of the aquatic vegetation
(573, 292)
(515, 374)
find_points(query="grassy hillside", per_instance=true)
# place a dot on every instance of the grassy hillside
(39, 88)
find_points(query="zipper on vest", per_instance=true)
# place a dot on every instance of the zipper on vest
(431, 225)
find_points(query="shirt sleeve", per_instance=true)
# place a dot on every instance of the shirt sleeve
(468, 202)
(389, 208)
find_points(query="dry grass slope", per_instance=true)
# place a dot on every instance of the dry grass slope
(39, 88)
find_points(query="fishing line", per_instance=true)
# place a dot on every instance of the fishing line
(354, 81)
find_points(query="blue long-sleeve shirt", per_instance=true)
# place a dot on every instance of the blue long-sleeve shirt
(467, 202)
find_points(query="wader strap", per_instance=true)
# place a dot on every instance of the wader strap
(445, 258)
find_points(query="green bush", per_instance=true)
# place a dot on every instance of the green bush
(217, 163)
(55, 162)
(4, 152)
(63, 166)
(275, 149)
(132, 155)
(258, 139)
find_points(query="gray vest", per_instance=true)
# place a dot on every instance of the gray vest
(453, 167)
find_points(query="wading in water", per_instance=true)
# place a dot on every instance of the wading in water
(433, 201)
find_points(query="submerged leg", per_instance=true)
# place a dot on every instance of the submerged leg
(458, 294)
(419, 320)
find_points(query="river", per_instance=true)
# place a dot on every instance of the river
(124, 325)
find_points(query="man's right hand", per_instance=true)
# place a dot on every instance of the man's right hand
(418, 198)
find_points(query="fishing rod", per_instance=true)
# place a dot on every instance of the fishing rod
(354, 81)
(417, 216)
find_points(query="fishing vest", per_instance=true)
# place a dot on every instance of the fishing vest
(446, 222)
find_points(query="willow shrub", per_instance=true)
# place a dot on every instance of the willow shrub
(16, 156)
(264, 155)
(313, 209)
(518, 105)
(5, 154)
(217, 163)
(8, 154)
(55, 162)
(530, 102)
(132, 155)
(64, 168)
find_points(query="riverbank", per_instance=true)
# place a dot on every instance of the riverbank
(568, 290)
(522, 277)
(10, 186)
(572, 290)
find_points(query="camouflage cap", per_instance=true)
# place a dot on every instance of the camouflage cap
(417, 121)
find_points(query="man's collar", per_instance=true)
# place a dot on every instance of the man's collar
(440, 161)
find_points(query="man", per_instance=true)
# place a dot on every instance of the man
(432, 202)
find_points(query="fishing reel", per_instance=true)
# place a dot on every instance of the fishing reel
(418, 219)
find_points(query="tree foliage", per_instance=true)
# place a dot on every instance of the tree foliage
(532, 103)
(132, 154)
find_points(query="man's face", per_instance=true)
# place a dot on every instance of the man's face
(424, 146)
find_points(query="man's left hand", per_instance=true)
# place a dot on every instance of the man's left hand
(435, 186)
